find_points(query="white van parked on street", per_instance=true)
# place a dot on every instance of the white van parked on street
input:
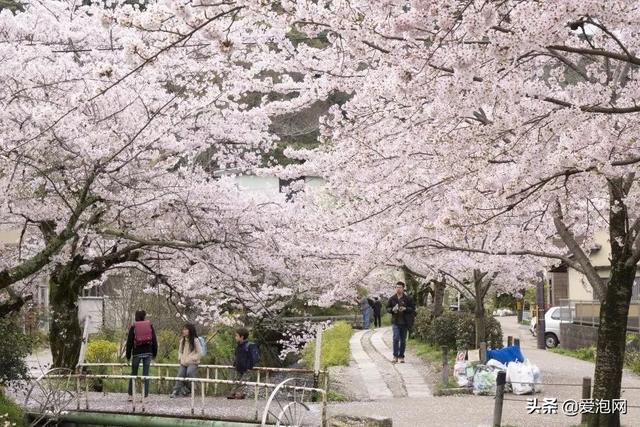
(552, 320)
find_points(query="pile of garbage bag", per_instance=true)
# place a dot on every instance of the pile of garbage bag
(522, 377)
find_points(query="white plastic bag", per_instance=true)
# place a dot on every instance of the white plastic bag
(521, 378)
(460, 373)
(493, 363)
(537, 376)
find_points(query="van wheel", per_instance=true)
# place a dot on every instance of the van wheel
(550, 340)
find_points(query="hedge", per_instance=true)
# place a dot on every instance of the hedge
(456, 330)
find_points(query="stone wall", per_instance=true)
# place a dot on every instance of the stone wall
(577, 336)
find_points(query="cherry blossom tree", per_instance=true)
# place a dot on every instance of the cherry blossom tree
(107, 111)
(516, 119)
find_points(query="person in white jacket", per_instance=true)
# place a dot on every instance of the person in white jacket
(189, 352)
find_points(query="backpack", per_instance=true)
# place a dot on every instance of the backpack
(254, 354)
(142, 333)
(203, 346)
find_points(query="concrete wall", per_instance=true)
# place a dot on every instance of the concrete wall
(579, 286)
(91, 306)
(577, 336)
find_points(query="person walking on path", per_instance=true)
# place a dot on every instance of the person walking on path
(242, 363)
(402, 309)
(142, 344)
(365, 307)
(189, 352)
(377, 312)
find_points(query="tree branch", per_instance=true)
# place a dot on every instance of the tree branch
(578, 253)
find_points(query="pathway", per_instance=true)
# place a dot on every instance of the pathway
(371, 351)
(412, 404)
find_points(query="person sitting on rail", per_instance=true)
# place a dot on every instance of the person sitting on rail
(189, 352)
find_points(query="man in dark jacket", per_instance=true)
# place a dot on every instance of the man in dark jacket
(402, 310)
(143, 345)
(377, 312)
(242, 363)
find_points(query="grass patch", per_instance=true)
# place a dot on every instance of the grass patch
(10, 413)
(431, 354)
(334, 396)
(335, 347)
(585, 353)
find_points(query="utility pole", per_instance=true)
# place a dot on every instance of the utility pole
(540, 329)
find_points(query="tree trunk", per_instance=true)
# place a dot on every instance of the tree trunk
(65, 286)
(611, 344)
(65, 334)
(479, 311)
(438, 297)
(614, 309)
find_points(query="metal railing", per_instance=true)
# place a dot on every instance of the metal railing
(587, 313)
(138, 380)
(262, 373)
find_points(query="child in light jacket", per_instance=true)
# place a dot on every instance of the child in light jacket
(189, 352)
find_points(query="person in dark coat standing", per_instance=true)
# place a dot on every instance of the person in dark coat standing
(242, 363)
(142, 344)
(402, 309)
(377, 312)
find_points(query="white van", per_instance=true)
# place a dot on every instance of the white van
(552, 320)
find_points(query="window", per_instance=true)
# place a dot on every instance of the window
(94, 291)
(561, 313)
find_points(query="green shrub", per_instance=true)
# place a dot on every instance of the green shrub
(466, 331)
(456, 330)
(586, 353)
(221, 346)
(444, 329)
(632, 361)
(39, 340)
(110, 334)
(168, 342)
(493, 330)
(102, 351)
(422, 325)
(335, 347)
(14, 349)
(10, 413)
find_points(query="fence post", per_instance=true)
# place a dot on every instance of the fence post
(78, 392)
(202, 393)
(586, 394)
(516, 342)
(193, 397)
(255, 397)
(483, 352)
(133, 394)
(207, 384)
(86, 393)
(324, 410)
(509, 340)
(215, 385)
(445, 365)
(316, 362)
(497, 408)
